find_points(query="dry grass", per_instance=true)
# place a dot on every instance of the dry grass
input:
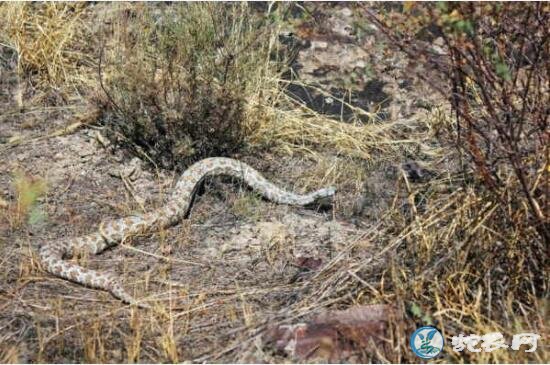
(48, 41)
(438, 253)
(296, 128)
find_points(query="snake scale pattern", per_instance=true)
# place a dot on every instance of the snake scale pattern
(112, 232)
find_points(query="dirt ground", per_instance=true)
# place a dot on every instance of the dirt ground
(218, 280)
(235, 250)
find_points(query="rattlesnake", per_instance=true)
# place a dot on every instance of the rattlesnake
(112, 232)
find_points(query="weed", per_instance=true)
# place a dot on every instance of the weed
(177, 80)
(25, 209)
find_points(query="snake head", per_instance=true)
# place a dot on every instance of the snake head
(323, 199)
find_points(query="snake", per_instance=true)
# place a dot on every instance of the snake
(53, 254)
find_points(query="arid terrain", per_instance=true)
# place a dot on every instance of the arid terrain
(410, 239)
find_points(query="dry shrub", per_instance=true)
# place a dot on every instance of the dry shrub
(466, 273)
(473, 258)
(447, 263)
(177, 79)
(492, 67)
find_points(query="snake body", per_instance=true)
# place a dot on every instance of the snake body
(112, 232)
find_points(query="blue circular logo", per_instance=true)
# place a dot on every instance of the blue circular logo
(427, 342)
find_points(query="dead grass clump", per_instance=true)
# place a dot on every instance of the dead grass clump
(490, 279)
(48, 39)
(304, 131)
(459, 266)
(177, 79)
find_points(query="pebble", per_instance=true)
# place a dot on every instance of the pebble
(319, 45)
(346, 12)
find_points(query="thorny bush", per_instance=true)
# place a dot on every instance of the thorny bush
(485, 239)
(494, 70)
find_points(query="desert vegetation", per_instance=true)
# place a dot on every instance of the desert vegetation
(431, 119)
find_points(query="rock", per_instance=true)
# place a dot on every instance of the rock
(346, 12)
(318, 45)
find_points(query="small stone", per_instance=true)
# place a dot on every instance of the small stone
(360, 64)
(319, 45)
(346, 12)
(439, 42)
